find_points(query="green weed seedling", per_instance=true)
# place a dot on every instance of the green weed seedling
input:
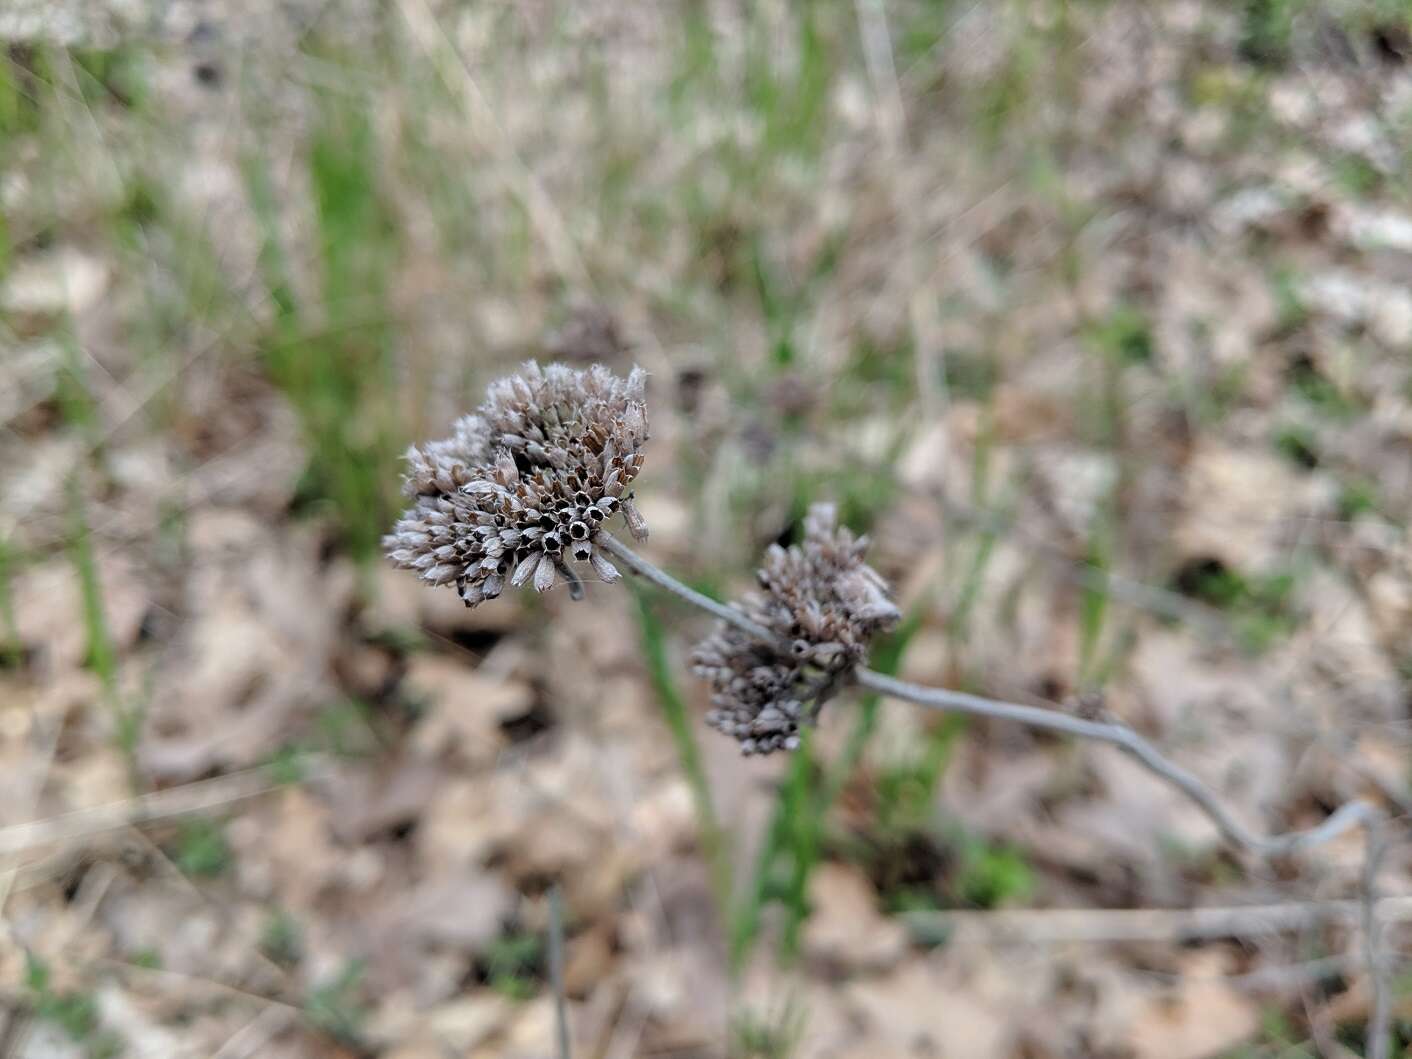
(674, 710)
(76, 1013)
(768, 1035)
(514, 964)
(334, 360)
(201, 850)
(337, 1006)
(281, 939)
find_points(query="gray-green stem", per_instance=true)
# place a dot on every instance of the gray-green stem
(1353, 814)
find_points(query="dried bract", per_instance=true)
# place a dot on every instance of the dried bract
(823, 605)
(525, 484)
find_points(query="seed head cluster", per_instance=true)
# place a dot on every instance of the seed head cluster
(823, 604)
(525, 483)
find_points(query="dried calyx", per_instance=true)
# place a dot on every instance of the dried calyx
(524, 485)
(822, 605)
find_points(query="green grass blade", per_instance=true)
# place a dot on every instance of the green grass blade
(99, 653)
(679, 722)
(794, 843)
(10, 650)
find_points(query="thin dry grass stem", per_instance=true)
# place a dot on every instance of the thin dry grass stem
(184, 981)
(882, 71)
(1293, 976)
(1354, 814)
(91, 891)
(906, 190)
(198, 797)
(252, 1038)
(46, 763)
(431, 37)
(1053, 926)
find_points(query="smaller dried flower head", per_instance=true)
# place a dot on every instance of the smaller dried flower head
(823, 605)
(524, 485)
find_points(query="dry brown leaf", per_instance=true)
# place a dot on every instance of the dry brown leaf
(468, 1022)
(589, 961)
(1349, 675)
(287, 852)
(1201, 1018)
(64, 280)
(845, 932)
(1073, 482)
(462, 825)
(253, 658)
(1239, 508)
(49, 610)
(385, 795)
(684, 990)
(466, 709)
(422, 1046)
(399, 602)
(530, 1035)
(463, 911)
(922, 1010)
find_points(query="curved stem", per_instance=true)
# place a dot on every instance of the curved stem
(1353, 814)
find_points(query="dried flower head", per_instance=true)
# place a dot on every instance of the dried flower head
(823, 605)
(525, 484)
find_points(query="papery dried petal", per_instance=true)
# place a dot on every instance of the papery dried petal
(606, 571)
(544, 574)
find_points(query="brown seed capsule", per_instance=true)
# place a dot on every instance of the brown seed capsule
(637, 525)
(525, 568)
(605, 570)
(544, 574)
(540, 464)
(822, 604)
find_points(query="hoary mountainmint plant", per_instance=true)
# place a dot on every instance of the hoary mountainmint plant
(524, 484)
(526, 488)
(823, 605)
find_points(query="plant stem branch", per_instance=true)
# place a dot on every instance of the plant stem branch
(1353, 814)
(640, 566)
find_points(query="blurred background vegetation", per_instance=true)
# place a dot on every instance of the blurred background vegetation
(1095, 313)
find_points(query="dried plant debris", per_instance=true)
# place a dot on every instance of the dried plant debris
(823, 604)
(526, 483)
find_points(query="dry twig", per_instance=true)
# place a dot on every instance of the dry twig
(1050, 926)
(159, 805)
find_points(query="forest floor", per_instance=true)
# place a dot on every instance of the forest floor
(1096, 316)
